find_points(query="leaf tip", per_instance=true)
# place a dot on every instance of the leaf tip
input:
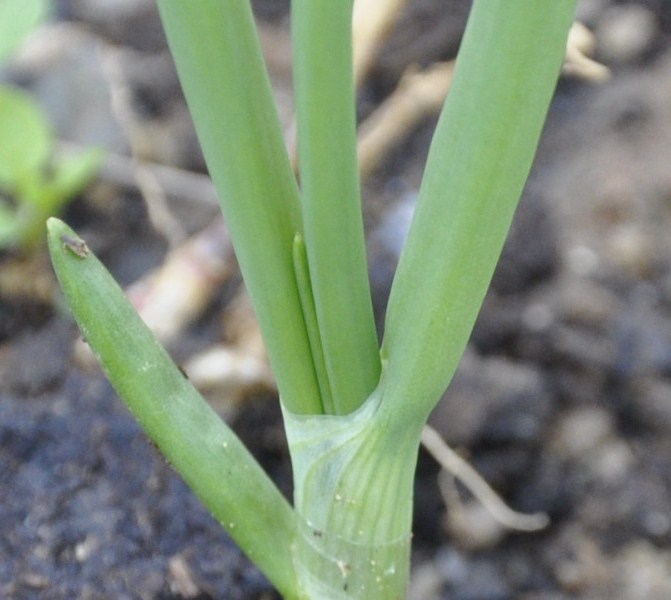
(55, 226)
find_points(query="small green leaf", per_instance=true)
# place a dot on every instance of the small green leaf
(25, 137)
(40, 194)
(302, 270)
(69, 177)
(17, 19)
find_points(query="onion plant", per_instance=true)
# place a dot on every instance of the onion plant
(353, 410)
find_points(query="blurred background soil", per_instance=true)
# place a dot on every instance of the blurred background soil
(562, 401)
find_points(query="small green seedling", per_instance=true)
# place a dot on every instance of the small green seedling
(353, 409)
(33, 183)
(17, 19)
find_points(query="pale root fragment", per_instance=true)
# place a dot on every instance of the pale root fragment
(372, 22)
(418, 94)
(579, 50)
(464, 472)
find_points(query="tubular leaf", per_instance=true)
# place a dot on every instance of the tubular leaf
(221, 69)
(333, 229)
(479, 160)
(198, 444)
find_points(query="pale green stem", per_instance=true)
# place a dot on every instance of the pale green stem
(304, 285)
(325, 108)
(353, 494)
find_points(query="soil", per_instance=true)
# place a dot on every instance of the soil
(562, 401)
